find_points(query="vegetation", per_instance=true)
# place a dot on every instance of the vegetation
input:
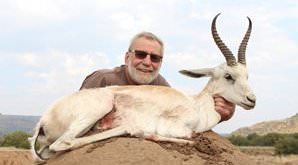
(283, 143)
(18, 139)
(287, 145)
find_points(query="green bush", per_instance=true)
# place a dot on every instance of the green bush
(238, 140)
(287, 145)
(271, 139)
(266, 140)
(18, 139)
(283, 143)
(1, 140)
(295, 135)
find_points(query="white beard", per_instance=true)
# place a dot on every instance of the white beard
(139, 76)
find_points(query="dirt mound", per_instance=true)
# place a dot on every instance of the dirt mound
(210, 148)
(15, 157)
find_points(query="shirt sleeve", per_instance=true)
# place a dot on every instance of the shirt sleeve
(162, 81)
(94, 80)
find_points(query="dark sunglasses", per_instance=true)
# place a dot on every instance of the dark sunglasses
(142, 55)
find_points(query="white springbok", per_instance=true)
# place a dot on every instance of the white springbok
(153, 112)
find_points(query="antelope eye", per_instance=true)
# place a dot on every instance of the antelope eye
(229, 77)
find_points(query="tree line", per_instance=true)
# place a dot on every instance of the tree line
(18, 139)
(283, 143)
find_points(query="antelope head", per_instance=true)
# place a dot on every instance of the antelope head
(230, 79)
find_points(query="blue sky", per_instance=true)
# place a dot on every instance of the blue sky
(48, 47)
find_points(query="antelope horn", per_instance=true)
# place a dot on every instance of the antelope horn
(231, 61)
(242, 47)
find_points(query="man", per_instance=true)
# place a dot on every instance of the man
(142, 63)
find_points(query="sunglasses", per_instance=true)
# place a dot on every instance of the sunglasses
(139, 54)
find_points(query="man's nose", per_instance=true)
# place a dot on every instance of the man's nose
(147, 60)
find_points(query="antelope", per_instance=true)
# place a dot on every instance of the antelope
(152, 112)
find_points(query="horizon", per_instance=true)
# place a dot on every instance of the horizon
(221, 133)
(47, 48)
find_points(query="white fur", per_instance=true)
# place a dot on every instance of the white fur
(155, 112)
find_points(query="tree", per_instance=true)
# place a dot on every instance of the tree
(287, 145)
(18, 139)
(283, 143)
(1, 141)
(238, 140)
(271, 139)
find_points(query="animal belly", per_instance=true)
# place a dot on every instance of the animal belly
(107, 122)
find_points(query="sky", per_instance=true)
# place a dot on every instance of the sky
(48, 47)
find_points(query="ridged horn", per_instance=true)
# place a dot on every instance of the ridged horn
(231, 61)
(242, 47)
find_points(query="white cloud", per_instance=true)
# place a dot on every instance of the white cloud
(60, 71)
(18, 15)
(29, 59)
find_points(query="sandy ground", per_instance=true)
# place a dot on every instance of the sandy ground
(266, 155)
(210, 148)
(13, 156)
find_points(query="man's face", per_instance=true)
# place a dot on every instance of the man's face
(143, 70)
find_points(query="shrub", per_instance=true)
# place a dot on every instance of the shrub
(16, 139)
(238, 140)
(1, 141)
(283, 143)
(287, 145)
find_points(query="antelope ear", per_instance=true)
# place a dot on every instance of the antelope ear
(197, 73)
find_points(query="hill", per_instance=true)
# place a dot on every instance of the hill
(11, 123)
(288, 125)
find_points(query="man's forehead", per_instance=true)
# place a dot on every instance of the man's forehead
(147, 43)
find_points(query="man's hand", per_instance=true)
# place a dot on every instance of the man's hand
(224, 108)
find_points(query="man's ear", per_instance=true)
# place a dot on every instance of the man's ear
(126, 58)
(197, 73)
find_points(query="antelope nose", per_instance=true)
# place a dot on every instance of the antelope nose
(251, 98)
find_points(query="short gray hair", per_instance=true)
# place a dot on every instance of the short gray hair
(149, 36)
